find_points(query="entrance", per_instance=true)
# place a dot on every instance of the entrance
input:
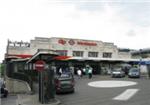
(95, 65)
(78, 65)
(61, 65)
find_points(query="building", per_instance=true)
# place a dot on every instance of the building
(142, 53)
(79, 52)
(65, 53)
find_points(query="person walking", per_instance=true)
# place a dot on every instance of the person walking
(90, 72)
(84, 70)
(60, 71)
(79, 73)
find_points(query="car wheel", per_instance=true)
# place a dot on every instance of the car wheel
(73, 91)
(6, 94)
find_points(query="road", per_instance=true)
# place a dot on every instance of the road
(10, 100)
(87, 95)
(137, 93)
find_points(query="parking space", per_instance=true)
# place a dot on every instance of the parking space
(136, 94)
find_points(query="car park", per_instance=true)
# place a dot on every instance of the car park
(117, 73)
(64, 83)
(134, 73)
(4, 91)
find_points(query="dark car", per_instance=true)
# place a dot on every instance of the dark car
(134, 73)
(118, 73)
(64, 83)
(4, 91)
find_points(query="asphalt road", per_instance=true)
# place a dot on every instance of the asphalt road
(10, 100)
(87, 95)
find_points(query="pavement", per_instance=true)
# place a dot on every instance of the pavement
(27, 99)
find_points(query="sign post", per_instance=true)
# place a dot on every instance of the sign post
(39, 66)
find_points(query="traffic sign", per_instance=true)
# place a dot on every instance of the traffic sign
(39, 65)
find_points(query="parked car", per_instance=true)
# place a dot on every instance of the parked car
(117, 73)
(4, 91)
(64, 83)
(134, 73)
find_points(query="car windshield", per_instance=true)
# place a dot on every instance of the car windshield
(117, 70)
(1, 83)
(134, 70)
(65, 76)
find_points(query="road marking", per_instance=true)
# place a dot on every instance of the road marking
(18, 100)
(111, 84)
(126, 95)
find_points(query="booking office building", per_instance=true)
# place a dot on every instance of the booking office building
(75, 53)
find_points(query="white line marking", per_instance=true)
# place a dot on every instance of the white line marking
(111, 84)
(126, 95)
(18, 100)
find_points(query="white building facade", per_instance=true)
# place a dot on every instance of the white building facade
(76, 48)
(80, 51)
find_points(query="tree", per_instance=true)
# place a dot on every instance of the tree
(1, 69)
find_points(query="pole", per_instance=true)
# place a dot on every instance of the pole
(41, 84)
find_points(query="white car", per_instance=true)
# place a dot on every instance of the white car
(118, 73)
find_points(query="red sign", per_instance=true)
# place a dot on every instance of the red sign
(39, 65)
(19, 56)
(71, 42)
(61, 41)
(87, 43)
(62, 57)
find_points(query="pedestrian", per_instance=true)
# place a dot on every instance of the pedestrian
(83, 71)
(79, 73)
(90, 72)
(60, 71)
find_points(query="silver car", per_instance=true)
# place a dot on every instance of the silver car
(118, 73)
(134, 73)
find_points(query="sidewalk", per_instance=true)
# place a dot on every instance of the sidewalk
(27, 99)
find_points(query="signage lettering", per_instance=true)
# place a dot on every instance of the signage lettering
(87, 43)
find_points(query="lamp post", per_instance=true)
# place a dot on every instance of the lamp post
(140, 53)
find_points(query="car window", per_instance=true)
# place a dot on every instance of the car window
(134, 70)
(65, 75)
(1, 83)
(116, 70)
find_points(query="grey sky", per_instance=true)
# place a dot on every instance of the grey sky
(126, 23)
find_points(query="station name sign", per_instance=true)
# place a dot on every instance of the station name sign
(87, 43)
(73, 42)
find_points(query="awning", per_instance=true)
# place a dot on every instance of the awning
(43, 54)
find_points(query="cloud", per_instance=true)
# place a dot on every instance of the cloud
(95, 20)
(131, 33)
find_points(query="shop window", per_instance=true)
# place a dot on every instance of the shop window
(92, 54)
(62, 52)
(78, 53)
(107, 55)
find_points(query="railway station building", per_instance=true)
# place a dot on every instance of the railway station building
(75, 53)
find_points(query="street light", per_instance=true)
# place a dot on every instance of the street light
(140, 53)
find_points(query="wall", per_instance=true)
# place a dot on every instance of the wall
(70, 45)
(17, 86)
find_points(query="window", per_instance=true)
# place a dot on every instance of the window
(62, 52)
(107, 55)
(92, 54)
(78, 53)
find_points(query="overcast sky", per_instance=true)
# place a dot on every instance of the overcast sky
(126, 23)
